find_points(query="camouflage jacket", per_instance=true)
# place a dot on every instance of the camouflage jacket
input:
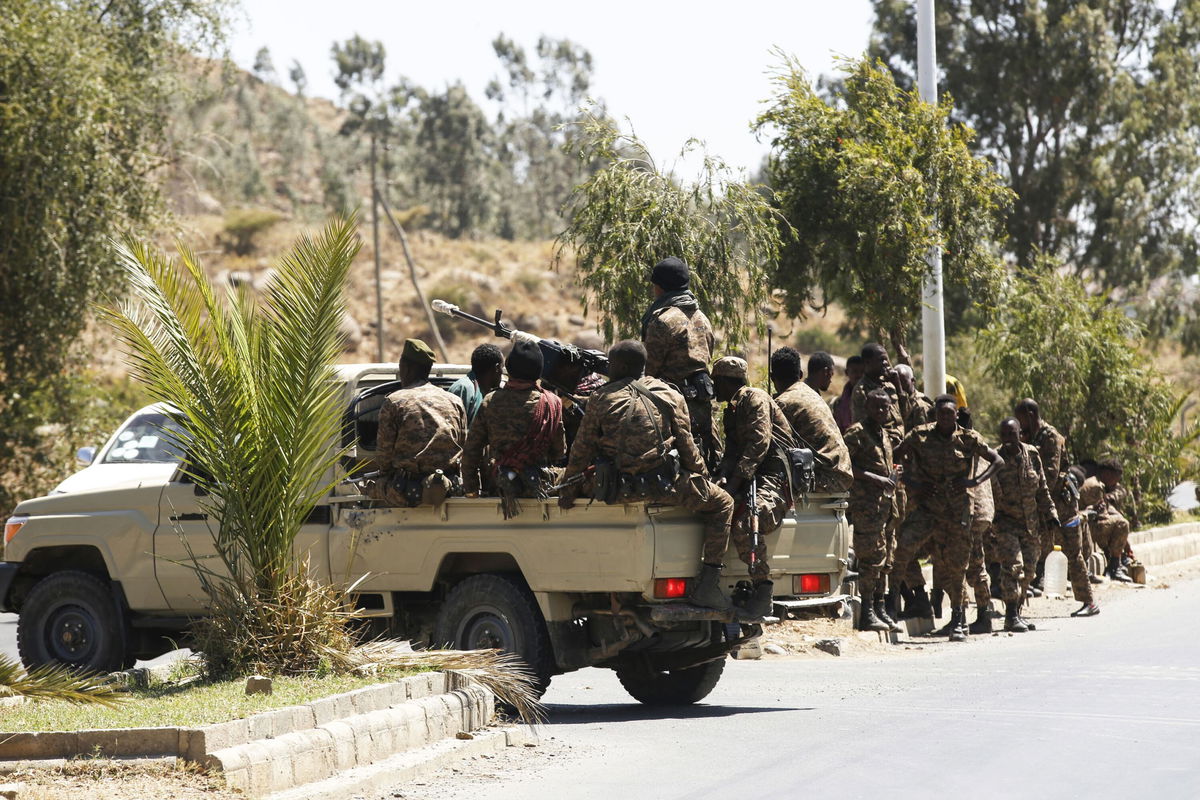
(678, 343)
(983, 506)
(858, 405)
(503, 421)
(1019, 489)
(623, 425)
(934, 461)
(1093, 494)
(814, 423)
(1052, 448)
(918, 410)
(421, 429)
(870, 450)
(755, 432)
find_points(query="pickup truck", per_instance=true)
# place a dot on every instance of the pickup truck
(100, 576)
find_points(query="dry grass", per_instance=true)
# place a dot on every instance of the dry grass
(117, 780)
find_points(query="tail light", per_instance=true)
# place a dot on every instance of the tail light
(670, 588)
(12, 526)
(811, 583)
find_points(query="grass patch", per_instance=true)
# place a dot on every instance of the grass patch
(189, 705)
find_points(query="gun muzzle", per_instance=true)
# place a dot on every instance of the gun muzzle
(442, 307)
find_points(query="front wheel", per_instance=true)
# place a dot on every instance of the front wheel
(72, 618)
(672, 687)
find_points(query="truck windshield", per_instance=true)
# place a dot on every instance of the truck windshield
(142, 441)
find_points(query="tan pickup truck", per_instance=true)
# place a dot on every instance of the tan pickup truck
(98, 573)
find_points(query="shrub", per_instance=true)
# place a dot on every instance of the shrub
(242, 225)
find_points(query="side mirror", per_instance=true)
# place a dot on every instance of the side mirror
(85, 455)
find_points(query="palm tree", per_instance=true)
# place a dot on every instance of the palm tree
(54, 682)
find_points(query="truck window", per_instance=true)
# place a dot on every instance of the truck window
(142, 441)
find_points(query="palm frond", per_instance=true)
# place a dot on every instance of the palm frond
(55, 682)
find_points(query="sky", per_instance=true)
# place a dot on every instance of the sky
(674, 69)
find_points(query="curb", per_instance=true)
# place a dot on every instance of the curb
(1155, 547)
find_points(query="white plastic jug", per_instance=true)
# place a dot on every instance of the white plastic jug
(1054, 584)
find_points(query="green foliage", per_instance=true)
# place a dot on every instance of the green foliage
(251, 386)
(1079, 357)
(54, 682)
(243, 224)
(870, 184)
(1089, 109)
(629, 214)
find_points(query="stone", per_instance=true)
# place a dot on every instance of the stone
(258, 684)
(774, 649)
(577, 320)
(750, 651)
(11, 791)
(831, 646)
(464, 735)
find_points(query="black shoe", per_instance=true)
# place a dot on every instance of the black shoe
(761, 603)
(958, 631)
(983, 620)
(882, 615)
(1095, 579)
(919, 607)
(1012, 622)
(707, 592)
(1086, 610)
(867, 619)
(1118, 573)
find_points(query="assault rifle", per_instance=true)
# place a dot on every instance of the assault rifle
(564, 365)
(752, 504)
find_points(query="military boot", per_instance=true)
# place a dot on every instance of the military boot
(867, 618)
(881, 613)
(1012, 622)
(919, 607)
(761, 603)
(891, 602)
(983, 620)
(958, 631)
(1116, 571)
(935, 601)
(707, 592)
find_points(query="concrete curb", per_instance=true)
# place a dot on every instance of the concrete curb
(1155, 547)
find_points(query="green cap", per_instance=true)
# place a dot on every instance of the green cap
(417, 352)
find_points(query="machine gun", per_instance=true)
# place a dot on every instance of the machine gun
(564, 365)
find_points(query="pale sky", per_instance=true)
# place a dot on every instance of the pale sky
(676, 69)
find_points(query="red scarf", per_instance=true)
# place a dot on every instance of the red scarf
(547, 418)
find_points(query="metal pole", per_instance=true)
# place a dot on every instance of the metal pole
(378, 269)
(933, 323)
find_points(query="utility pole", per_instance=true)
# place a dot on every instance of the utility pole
(378, 271)
(933, 322)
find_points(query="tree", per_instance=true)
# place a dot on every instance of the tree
(870, 184)
(1079, 357)
(1089, 111)
(629, 214)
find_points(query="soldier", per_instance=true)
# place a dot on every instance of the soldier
(939, 460)
(916, 407)
(679, 343)
(820, 372)
(1052, 448)
(421, 433)
(631, 426)
(521, 426)
(877, 374)
(841, 404)
(485, 375)
(812, 421)
(872, 507)
(1022, 504)
(757, 436)
(1104, 496)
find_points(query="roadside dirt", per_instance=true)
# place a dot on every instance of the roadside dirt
(85, 779)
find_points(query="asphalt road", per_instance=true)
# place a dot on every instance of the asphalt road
(1099, 708)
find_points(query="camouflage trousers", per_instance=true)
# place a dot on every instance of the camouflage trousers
(873, 557)
(950, 541)
(771, 508)
(910, 574)
(1110, 534)
(704, 431)
(982, 551)
(713, 506)
(1017, 550)
(1071, 542)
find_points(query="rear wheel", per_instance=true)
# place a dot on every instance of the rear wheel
(673, 687)
(73, 618)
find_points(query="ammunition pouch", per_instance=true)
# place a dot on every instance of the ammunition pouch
(656, 485)
(606, 484)
(802, 469)
(532, 482)
(410, 489)
(698, 386)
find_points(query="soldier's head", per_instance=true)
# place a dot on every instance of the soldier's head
(487, 362)
(785, 368)
(879, 406)
(820, 370)
(670, 275)
(524, 363)
(854, 369)
(1028, 415)
(626, 359)
(729, 375)
(1109, 471)
(875, 361)
(945, 413)
(906, 379)
(416, 359)
(1010, 434)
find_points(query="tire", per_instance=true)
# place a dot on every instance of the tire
(676, 687)
(73, 618)
(496, 612)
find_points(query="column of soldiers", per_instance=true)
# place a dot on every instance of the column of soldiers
(921, 482)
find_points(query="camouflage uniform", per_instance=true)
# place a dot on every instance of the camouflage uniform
(621, 425)
(858, 405)
(983, 511)
(1052, 448)
(1022, 504)
(421, 431)
(755, 430)
(1109, 528)
(943, 511)
(917, 411)
(504, 421)
(814, 423)
(872, 507)
(679, 343)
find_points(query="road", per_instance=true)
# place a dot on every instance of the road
(1101, 707)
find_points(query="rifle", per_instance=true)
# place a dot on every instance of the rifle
(555, 354)
(752, 504)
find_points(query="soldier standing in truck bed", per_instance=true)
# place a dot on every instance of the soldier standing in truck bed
(812, 420)
(679, 344)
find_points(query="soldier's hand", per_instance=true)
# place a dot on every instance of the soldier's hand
(1054, 523)
(965, 483)
(566, 502)
(883, 482)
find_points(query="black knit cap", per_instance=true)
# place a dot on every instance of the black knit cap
(671, 274)
(525, 361)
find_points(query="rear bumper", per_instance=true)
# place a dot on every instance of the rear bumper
(8, 571)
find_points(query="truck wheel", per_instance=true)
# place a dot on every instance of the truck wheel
(494, 612)
(675, 687)
(72, 618)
